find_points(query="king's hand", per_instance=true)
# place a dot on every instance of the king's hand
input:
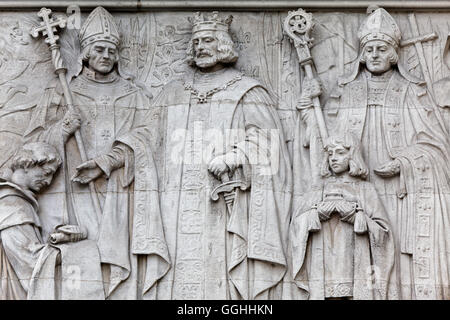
(388, 169)
(87, 172)
(218, 166)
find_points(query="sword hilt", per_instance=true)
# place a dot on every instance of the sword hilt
(227, 187)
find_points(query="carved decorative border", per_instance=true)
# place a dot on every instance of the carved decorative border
(145, 5)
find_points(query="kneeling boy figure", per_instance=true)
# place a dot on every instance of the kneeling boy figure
(341, 244)
(29, 267)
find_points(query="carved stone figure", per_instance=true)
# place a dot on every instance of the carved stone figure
(442, 88)
(341, 233)
(405, 143)
(110, 113)
(195, 154)
(28, 265)
(215, 124)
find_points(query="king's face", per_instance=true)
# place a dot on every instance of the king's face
(102, 56)
(205, 46)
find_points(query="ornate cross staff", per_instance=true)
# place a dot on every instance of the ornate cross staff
(48, 28)
(298, 25)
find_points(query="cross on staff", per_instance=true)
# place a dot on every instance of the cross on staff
(48, 28)
(417, 41)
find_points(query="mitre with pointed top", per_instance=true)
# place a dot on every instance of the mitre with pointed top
(379, 25)
(99, 26)
(212, 22)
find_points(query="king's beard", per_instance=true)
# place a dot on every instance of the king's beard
(206, 62)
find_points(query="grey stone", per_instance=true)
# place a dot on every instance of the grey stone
(265, 154)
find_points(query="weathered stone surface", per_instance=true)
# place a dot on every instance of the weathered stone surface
(224, 155)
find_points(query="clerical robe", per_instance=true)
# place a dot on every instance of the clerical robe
(72, 271)
(114, 130)
(336, 262)
(442, 91)
(218, 254)
(394, 119)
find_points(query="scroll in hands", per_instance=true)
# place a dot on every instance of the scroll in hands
(67, 233)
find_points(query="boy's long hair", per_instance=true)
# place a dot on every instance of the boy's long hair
(358, 168)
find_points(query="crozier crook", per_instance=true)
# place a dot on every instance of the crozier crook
(298, 25)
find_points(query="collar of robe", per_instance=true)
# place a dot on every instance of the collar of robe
(379, 78)
(94, 76)
(28, 194)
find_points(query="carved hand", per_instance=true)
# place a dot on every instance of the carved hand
(325, 209)
(217, 166)
(70, 123)
(86, 172)
(311, 88)
(348, 217)
(68, 233)
(388, 169)
(304, 102)
(346, 210)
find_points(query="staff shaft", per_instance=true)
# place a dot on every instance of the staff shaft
(79, 140)
(48, 27)
(317, 108)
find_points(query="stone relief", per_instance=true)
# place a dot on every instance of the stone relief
(29, 264)
(405, 143)
(339, 233)
(212, 121)
(225, 155)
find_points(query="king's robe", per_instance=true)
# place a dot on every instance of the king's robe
(217, 254)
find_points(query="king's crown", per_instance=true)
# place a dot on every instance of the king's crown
(210, 22)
